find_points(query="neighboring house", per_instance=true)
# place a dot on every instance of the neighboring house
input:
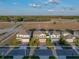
(40, 35)
(23, 36)
(76, 34)
(65, 33)
(55, 36)
(70, 38)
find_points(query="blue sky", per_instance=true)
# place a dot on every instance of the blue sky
(39, 7)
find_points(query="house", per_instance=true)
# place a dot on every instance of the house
(41, 36)
(55, 36)
(69, 38)
(23, 36)
(76, 34)
(65, 33)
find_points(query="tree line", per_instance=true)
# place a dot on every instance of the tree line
(35, 18)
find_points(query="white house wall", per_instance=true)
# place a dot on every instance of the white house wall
(22, 36)
(76, 33)
(55, 36)
(42, 40)
(69, 40)
(25, 40)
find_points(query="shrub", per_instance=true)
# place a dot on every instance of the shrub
(62, 41)
(76, 41)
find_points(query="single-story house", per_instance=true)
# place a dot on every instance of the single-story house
(65, 33)
(41, 36)
(55, 36)
(23, 36)
(70, 38)
(76, 34)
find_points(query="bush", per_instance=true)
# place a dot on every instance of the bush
(34, 42)
(76, 41)
(62, 41)
(52, 57)
(48, 43)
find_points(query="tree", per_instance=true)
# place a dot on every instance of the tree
(76, 41)
(62, 40)
(48, 43)
(52, 57)
(4, 18)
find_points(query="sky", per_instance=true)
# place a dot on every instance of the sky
(39, 7)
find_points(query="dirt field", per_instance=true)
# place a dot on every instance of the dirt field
(51, 25)
(43, 25)
(4, 25)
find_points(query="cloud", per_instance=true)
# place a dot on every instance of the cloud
(51, 10)
(53, 1)
(56, 10)
(35, 5)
